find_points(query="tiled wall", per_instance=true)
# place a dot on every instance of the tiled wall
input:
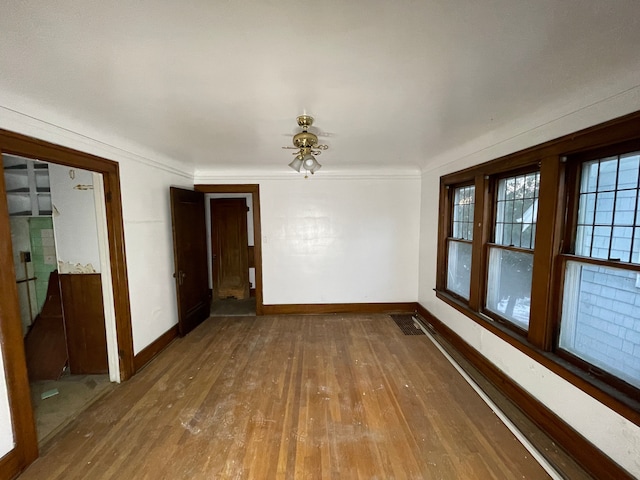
(21, 242)
(43, 254)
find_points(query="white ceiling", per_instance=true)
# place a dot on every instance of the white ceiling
(218, 84)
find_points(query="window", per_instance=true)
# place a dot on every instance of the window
(460, 241)
(542, 248)
(511, 254)
(600, 320)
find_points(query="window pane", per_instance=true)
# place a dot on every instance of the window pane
(519, 187)
(612, 211)
(628, 177)
(463, 205)
(527, 238)
(459, 268)
(621, 244)
(604, 208)
(587, 209)
(509, 285)
(601, 242)
(517, 210)
(584, 238)
(589, 180)
(625, 207)
(600, 323)
(607, 175)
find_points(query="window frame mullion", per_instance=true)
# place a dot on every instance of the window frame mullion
(481, 231)
(548, 240)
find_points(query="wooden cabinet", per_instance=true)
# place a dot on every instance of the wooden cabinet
(27, 183)
(84, 323)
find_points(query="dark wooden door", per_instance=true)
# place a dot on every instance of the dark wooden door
(190, 258)
(230, 248)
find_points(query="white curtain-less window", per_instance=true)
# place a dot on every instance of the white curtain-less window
(601, 300)
(460, 242)
(511, 254)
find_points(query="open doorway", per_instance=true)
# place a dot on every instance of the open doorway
(19, 435)
(53, 213)
(247, 195)
(231, 253)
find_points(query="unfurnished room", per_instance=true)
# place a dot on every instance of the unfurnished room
(311, 240)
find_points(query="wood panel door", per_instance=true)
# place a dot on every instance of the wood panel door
(190, 258)
(230, 248)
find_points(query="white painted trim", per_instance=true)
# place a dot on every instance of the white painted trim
(553, 473)
(105, 275)
(254, 177)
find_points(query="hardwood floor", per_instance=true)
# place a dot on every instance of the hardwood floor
(292, 397)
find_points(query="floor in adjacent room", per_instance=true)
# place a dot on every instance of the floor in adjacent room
(231, 307)
(321, 396)
(74, 394)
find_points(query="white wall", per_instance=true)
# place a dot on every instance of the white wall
(149, 242)
(74, 219)
(327, 240)
(147, 220)
(337, 239)
(616, 436)
(6, 430)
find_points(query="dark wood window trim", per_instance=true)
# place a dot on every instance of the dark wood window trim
(449, 238)
(558, 184)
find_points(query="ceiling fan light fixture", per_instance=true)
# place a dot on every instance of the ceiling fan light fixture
(296, 164)
(310, 163)
(307, 145)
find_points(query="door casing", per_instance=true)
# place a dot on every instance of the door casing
(254, 190)
(25, 450)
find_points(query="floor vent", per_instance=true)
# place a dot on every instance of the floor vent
(407, 324)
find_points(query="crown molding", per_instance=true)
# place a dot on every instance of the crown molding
(281, 173)
(583, 110)
(20, 122)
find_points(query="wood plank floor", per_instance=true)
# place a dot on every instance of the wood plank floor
(295, 397)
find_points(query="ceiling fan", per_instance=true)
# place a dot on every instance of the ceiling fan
(306, 144)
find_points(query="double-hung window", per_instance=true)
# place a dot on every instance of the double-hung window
(601, 300)
(459, 242)
(542, 248)
(511, 254)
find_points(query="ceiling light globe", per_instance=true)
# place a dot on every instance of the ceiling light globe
(309, 160)
(296, 164)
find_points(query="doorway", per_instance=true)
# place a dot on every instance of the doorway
(231, 250)
(249, 195)
(53, 220)
(113, 267)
